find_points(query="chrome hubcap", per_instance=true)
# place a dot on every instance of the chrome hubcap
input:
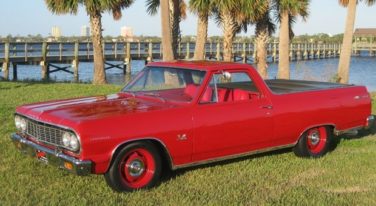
(136, 168)
(314, 138)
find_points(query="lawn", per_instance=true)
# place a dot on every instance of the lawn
(346, 176)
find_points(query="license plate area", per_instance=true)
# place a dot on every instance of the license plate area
(41, 156)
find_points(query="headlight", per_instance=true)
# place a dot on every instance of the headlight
(21, 124)
(70, 141)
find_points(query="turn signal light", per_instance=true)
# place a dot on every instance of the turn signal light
(68, 165)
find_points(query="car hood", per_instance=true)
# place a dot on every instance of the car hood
(73, 111)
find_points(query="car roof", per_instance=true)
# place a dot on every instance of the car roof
(201, 65)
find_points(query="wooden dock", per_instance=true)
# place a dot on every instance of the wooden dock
(52, 55)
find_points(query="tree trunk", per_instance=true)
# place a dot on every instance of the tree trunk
(175, 19)
(228, 35)
(284, 47)
(261, 44)
(96, 31)
(166, 31)
(202, 33)
(345, 57)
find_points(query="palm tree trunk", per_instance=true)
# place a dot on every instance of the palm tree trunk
(166, 31)
(96, 30)
(261, 43)
(345, 57)
(284, 47)
(202, 33)
(228, 35)
(175, 25)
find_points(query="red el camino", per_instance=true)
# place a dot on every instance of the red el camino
(182, 113)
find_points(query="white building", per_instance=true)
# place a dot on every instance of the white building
(127, 33)
(85, 31)
(56, 32)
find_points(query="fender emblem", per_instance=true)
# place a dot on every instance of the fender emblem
(182, 137)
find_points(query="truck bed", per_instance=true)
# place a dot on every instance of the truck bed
(281, 86)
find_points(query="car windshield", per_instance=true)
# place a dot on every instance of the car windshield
(166, 83)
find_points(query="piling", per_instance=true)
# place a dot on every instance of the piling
(150, 53)
(43, 63)
(15, 72)
(75, 63)
(6, 62)
(127, 59)
(218, 55)
(244, 56)
(187, 51)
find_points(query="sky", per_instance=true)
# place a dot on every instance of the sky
(23, 17)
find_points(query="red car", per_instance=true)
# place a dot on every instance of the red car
(183, 113)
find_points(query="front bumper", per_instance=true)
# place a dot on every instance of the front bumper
(52, 157)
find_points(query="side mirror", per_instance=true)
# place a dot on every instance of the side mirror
(226, 76)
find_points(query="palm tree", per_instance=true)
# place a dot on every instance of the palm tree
(168, 54)
(287, 10)
(203, 9)
(264, 29)
(233, 16)
(177, 12)
(94, 10)
(344, 59)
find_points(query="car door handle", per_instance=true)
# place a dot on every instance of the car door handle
(267, 107)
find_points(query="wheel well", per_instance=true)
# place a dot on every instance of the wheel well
(165, 156)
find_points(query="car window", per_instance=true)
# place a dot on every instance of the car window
(230, 87)
(167, 83)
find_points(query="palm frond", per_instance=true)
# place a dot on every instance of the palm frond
(265, 23)
(63, 7)
(152, 6)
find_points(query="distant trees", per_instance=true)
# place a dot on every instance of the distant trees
(94, 10)
(345, 57)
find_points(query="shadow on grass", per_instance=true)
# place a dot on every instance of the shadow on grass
(47, 81)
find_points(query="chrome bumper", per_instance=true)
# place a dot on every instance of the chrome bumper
(52, 157)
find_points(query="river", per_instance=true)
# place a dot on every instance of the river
(362, 71)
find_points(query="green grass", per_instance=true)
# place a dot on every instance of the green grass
(346, 176)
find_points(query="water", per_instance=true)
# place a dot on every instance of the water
(362, 71)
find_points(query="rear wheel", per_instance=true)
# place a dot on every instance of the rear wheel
(137, 166)
(315, 142)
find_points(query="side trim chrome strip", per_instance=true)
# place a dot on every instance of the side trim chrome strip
(202, 162)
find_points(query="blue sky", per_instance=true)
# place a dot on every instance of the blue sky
(22, 17)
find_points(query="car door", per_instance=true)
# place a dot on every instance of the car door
(232, 117)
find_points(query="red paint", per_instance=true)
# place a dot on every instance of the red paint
(225, 128)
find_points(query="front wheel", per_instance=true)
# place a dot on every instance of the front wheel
(315, 142)
(136, 166)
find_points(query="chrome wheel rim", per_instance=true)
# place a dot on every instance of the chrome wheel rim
(136, 168)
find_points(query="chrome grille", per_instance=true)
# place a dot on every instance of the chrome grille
(44, 133)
